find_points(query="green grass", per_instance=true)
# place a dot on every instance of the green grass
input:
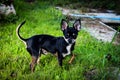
(42, 18)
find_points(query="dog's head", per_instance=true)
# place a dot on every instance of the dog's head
(70, 33)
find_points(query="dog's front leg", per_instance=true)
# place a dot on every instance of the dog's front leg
(60, 58)
(71, 59)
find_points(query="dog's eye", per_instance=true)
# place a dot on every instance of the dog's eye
(73, 34)
(68, 34)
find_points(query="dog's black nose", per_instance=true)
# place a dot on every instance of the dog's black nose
(70, 41)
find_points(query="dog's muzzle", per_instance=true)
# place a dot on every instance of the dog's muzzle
(70, 41)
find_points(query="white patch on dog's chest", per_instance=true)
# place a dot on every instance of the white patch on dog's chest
(68, 50)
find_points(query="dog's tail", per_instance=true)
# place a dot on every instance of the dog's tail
(17, 31)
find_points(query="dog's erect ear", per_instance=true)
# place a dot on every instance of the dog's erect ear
(64, 24)
(77, 24)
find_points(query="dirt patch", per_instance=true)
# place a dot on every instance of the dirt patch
(98, 30)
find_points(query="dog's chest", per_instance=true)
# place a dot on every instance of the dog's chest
(68, 48)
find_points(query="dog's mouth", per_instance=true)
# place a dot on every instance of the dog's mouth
(70, 41)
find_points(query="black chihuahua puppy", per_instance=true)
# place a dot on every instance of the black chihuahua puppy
(63, 46)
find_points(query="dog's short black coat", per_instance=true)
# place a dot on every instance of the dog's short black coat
(63, 46)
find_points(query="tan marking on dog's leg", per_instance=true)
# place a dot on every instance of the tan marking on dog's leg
(71, 59)
(38, 60)
(56, 54)
(33, 63)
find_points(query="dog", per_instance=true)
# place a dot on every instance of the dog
(40, 44)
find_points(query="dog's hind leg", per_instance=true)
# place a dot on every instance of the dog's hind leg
(33, 63)
(38, 59)
(35, 55)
